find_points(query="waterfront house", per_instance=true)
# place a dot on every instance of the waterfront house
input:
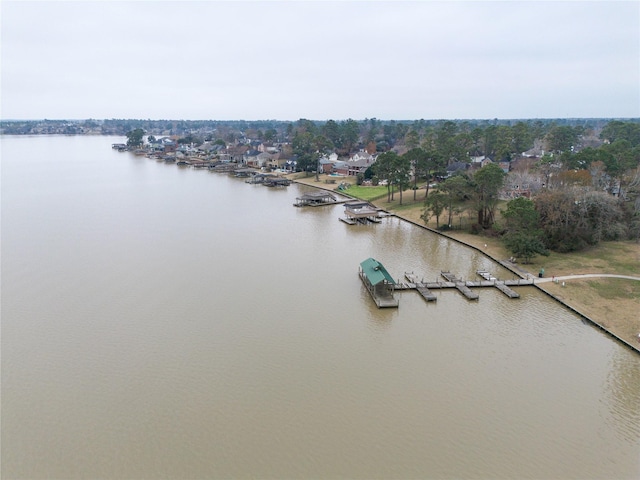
(356, 167)
(341, 168)
(276, 161)
(250, 158)
(325, 165)
(237, 153)
(362, 155)
(263, 159)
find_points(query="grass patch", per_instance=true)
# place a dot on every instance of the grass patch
(607, 257)
(616, 288)
(367, 193)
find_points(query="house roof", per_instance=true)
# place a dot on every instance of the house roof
(375, 271)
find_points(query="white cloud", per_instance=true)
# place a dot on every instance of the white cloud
(294, 59)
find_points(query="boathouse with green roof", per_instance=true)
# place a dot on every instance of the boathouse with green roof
(378, 282)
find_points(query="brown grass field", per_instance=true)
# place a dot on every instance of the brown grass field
(611, 302)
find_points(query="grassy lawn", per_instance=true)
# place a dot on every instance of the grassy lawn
(367, 193)
(615, 288)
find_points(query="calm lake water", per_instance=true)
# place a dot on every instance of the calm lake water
(166, 322)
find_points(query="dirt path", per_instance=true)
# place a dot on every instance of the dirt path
(586, 275)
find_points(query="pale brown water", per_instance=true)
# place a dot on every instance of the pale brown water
(164, 322)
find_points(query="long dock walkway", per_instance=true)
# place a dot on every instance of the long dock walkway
(413, 282)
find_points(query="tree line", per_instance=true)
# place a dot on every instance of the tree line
(585, 195)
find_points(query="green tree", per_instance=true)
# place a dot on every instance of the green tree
(384, 167)
(434, 204)
(524, 236)
(350, 132)
(522, 137)
(618, 130)
(270, 135)
(331, 130)
(521, 215)
(322, 143)
(190, 139)
(304, 147)
(619, 159)
(504, 145)
(134, 137)
(488, 182)
(401, 173)
(561, 138)
(456, 190)
(524, 246)
(308, 126)
(412, 139)
(418, 159)
(451, 145)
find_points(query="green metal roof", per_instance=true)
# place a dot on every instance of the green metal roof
(375, 271)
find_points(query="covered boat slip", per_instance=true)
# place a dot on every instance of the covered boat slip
(269, 180)
(379, 283)
(314, 199)
(360, 212)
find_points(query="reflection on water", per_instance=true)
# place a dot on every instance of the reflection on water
(161, 322)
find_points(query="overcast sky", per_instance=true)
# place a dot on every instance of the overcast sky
(287, 60)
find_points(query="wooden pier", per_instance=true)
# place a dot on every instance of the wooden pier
(425, 289)
(381, 285)
(420, 287)
(462, 286)
(499, 284)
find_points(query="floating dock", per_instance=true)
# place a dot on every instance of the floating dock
(413, 282)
